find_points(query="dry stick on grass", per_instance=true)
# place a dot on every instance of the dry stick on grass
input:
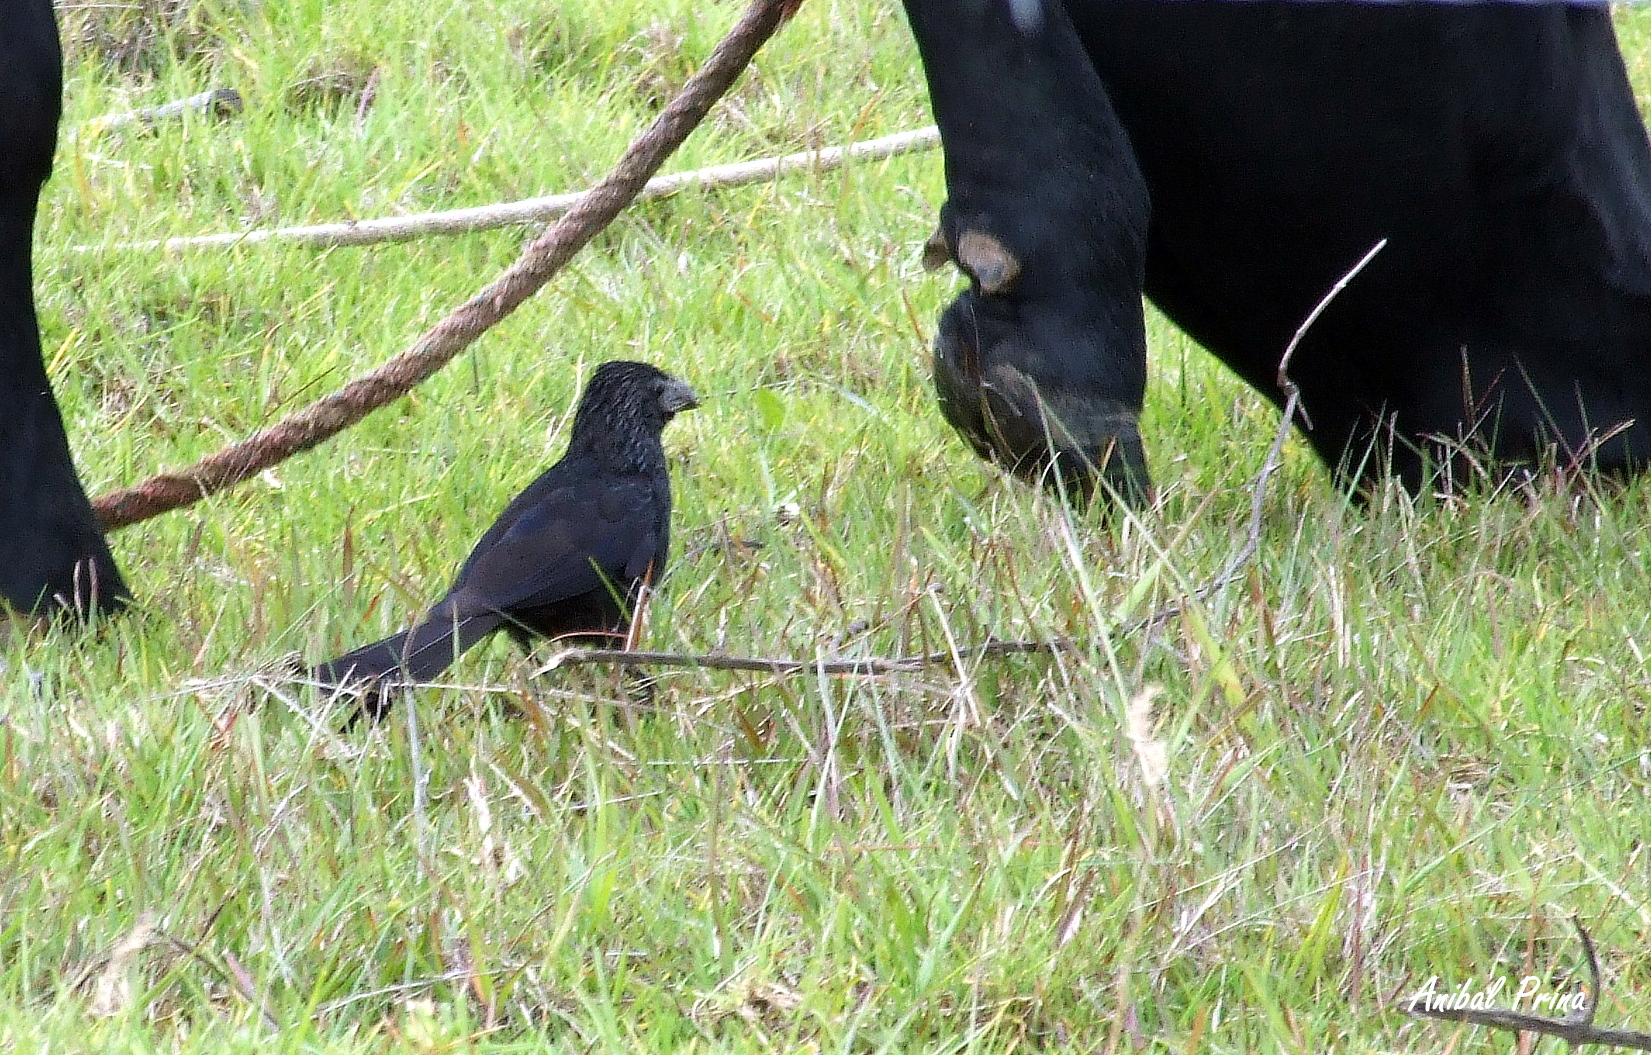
(874, 666)
(537, 264)
(1577, 1028)
(1292, 406)
(870, 666)
(219, 102)
(549, 207)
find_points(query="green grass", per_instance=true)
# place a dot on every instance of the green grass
(1407, 742)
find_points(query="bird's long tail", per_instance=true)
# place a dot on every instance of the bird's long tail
(407, 658)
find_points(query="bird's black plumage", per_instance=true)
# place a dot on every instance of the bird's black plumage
(567, 558)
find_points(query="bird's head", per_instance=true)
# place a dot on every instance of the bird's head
(627, 402)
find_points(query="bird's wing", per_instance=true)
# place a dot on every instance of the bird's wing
(569, 533)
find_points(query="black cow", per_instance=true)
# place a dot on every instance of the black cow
(52, 553)
(1233, 160)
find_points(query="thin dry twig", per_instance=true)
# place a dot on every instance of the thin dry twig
(432, 351)
(1270, 464)
(1292, 407)
(1576, 1028)
(542, 209)
(219, 102)
(868, 666)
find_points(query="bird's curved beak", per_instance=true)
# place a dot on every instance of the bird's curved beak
(677, 397)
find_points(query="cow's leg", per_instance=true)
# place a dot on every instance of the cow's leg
(1041, 362)
(52, 555)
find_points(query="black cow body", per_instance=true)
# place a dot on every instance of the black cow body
(52, 554)
(1496, 146)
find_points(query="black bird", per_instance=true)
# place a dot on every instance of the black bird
(568, 557)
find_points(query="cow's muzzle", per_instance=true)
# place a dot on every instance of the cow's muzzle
(1069, 441)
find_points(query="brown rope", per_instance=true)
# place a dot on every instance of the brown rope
(538, 263)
